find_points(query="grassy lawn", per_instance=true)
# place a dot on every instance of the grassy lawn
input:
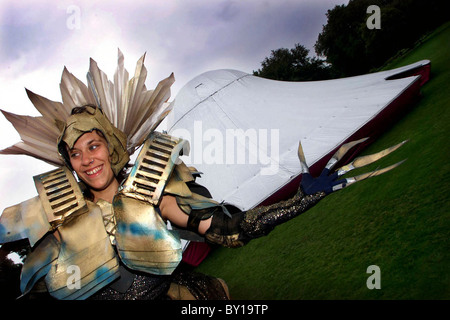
(398, 221)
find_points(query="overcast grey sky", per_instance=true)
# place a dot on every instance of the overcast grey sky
(189, 37)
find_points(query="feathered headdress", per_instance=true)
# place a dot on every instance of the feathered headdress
(128, 105)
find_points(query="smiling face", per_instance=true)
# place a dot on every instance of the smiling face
(90, 159)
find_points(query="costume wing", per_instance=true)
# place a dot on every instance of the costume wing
(244, 130)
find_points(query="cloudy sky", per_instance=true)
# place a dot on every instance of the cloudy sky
(187, 37)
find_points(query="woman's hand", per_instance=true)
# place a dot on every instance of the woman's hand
(329, 181)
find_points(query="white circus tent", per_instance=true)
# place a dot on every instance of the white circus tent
(244, 130)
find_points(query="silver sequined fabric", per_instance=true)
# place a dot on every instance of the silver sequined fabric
(143, 288)
(148, 287)
(261, 220)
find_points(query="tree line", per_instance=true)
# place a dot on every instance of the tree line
(347, 46)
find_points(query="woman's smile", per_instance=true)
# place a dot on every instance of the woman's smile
(94, 172)
(90, 159)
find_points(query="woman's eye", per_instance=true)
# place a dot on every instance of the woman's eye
(74, 155)
(93, 147)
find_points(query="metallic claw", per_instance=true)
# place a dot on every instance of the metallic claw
(365, 160)
(349, 181)
(377, 172)
(301, 157)
(342, 151)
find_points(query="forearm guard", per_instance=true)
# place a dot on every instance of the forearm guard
(261, 220)
(241, 227)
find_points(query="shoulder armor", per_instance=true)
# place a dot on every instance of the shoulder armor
(24, 220)
(153, 167)
(60, 195)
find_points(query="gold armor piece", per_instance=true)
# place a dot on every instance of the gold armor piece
(38, 262)
(60, 195)
(86, 249)
(153, 168)
(143, 241)
(177, 182)
(24, 220)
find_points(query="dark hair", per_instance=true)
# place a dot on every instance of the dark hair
(84, 108)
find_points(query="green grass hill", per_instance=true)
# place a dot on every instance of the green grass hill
(398, 221)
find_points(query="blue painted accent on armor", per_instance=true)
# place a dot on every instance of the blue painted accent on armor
(137, 229)
(101, 272)
(3, 234)
(133, 170)
(141, 230)
(32, 274)
(158, 235)
(103, 276)
(98, 283)
(121, 227)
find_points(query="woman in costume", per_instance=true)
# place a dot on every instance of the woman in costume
(105, 235)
